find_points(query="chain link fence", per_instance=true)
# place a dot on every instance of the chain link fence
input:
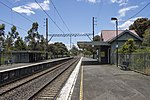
(139, 62)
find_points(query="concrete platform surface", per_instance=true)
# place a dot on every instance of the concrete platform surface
(88, 59)
(4, 67)
(106, 82)
(14, 65)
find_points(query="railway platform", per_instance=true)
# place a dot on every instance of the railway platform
(15, 65)
(108, 82)
(5, 67)
(17, 71)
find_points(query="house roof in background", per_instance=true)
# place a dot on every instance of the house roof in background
(108, 35)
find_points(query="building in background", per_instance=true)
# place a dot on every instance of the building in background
(107, 47)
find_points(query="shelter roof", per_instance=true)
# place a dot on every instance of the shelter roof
(94, 43)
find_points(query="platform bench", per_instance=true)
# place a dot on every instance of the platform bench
(125, 65)
(8, 62)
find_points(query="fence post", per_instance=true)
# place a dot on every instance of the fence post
(145, 56)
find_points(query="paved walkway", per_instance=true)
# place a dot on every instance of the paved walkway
(106, 82)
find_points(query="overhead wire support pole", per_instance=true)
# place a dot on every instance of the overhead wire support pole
(49, 17)
(93, 27)
(46, 38)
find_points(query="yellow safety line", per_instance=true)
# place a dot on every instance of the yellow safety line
(81, 84)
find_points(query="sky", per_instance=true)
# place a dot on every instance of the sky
(76, 14)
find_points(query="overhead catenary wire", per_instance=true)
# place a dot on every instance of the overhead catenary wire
(12, 25)
(60, 16)
(139, 11)
(100, 6)
(49, 17)
(63, 19)
(9, 2)
(19, 13)
(148, 15)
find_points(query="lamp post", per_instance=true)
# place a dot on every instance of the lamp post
(93, 24)
(115, 19)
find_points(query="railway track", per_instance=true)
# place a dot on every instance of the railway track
(14, 84)
(30, 87)
(51, 90)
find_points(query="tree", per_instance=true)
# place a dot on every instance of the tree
(140, 25)
(87, 52)
(128, 47)
(2, 28)
(74, 50)
(19, 44)
(11, 37)
(97, 38)
(146, 38)
(13, 34)
(34, 39)
(61, 48)
(42, 43)
(58, 48)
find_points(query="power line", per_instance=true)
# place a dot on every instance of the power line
(12, 24)
(49, 17)
(60, 16)
(148, 15)
(139, 11)
(18, 13)
(61, 19)
(100, 6)
(9, 2)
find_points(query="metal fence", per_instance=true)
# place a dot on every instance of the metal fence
(139, 62)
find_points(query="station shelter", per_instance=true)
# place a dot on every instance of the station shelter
(27, 56)
(106, 48)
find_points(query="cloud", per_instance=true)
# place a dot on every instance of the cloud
(126, 24)
(44, 5)
(91, 1)
(23, 9)
(30, 7)
(120, 2)
(122, 12)
(142, 3)
(17, 0)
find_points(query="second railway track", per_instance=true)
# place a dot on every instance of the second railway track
(34, 86)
